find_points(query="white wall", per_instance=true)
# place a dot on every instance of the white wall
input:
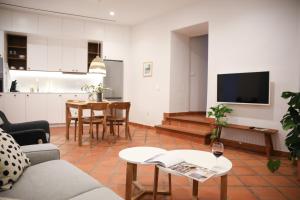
(180, 69)
(244, 36)
(198, 73)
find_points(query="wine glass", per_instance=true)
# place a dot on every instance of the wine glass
(217, 149)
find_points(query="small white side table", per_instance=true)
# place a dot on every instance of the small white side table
(201, 158)
(136, 156)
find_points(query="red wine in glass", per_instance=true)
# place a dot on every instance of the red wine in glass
(218, 153)
(217, 149)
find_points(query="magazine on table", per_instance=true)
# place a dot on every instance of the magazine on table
(182, 167)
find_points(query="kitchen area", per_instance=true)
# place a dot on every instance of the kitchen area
(50, 69)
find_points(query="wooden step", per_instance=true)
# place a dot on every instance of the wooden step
(191, 122)
(203, 133)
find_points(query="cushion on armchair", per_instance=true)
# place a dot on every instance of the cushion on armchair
(12, 161)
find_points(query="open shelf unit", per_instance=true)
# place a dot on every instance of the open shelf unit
(16, 51)
(93, 49)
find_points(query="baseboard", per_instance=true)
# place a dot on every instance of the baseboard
(141, 125)
(185, 113)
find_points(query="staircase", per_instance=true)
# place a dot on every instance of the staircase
(191, 125)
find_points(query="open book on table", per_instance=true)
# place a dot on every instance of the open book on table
(182, 167)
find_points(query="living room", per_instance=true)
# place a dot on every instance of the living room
(50, 46)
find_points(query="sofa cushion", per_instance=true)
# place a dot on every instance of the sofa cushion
(97, 194)
(39, 153)
(12, 161)
(52, 180)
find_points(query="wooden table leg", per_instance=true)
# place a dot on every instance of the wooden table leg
(155, 183)
(195, 189)
(170, 184)
(80, 129)
(129, 179)
(269, 145)
(224, 187)
(68, 121)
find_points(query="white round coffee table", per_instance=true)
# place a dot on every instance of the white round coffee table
(137, 156)
(203, 159)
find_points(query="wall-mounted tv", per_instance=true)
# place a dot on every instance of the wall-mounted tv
(247, 88)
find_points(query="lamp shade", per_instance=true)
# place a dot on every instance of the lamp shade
(97, 66)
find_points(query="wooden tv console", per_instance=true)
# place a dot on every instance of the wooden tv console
(267, 133)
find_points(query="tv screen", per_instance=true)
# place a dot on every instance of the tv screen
(252, 88)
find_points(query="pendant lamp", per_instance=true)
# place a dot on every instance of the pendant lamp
(97, 65)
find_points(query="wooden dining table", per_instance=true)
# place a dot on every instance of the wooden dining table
(80, 106)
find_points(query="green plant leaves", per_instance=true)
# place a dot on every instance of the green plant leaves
(273, 165)
(291, 121)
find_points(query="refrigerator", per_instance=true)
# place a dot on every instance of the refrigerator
(114, 80)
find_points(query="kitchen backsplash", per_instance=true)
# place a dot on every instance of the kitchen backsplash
(37, 81)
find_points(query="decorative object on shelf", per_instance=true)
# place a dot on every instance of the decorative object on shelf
(291, 122)
(93, 90)
(97, 65)
(147, 69)
(219, 112)
(13, 87)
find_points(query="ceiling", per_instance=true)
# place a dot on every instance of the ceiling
(129, 12)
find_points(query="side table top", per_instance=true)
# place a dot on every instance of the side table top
(137, 155)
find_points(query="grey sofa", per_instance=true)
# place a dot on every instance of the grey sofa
(49, 178)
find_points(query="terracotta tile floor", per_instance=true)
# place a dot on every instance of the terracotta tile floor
(249, 178)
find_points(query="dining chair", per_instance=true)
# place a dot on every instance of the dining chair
(116, 117)
(96, 119)
(73, 116)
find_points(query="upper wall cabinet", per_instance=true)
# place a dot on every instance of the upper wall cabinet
(25, 22)
(54, 57)
(72, 28)
(81, 56)
(36, 53)
(5, 19)
(49, 26)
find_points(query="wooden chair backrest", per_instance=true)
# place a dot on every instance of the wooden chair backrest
(116, 106)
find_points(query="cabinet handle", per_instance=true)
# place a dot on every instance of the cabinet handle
(59, 95)
(75, 95)
(59, 69)
(15, 95)
(27, 95)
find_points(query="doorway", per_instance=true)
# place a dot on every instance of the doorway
(189, 68)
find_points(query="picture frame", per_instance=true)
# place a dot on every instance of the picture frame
(147, 69)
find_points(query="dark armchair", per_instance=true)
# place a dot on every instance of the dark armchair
(26, 133)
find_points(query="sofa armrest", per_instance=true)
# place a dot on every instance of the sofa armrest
(41, 153)
(30, 136)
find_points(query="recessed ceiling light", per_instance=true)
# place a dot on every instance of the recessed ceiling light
(112, 13)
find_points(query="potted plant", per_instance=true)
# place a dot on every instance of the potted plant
(95, 90)
(219, 113)
(291, 122)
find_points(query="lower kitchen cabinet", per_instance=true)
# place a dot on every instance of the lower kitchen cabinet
(2, 102)
(36, 107)
(55, 108)
(20, 107)
(15, 107)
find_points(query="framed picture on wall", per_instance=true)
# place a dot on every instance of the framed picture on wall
(147, 69)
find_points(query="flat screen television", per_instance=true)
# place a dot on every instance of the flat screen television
(244, 88)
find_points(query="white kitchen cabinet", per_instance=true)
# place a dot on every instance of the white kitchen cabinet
(25, 22)
(5, 19)
(72, 28)
(55, 108)
(49, 25)
(54, 55)
(15, 107)
(36, 107)
(81, 56)
(68, 55)
(36, 53)
(2, 105)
